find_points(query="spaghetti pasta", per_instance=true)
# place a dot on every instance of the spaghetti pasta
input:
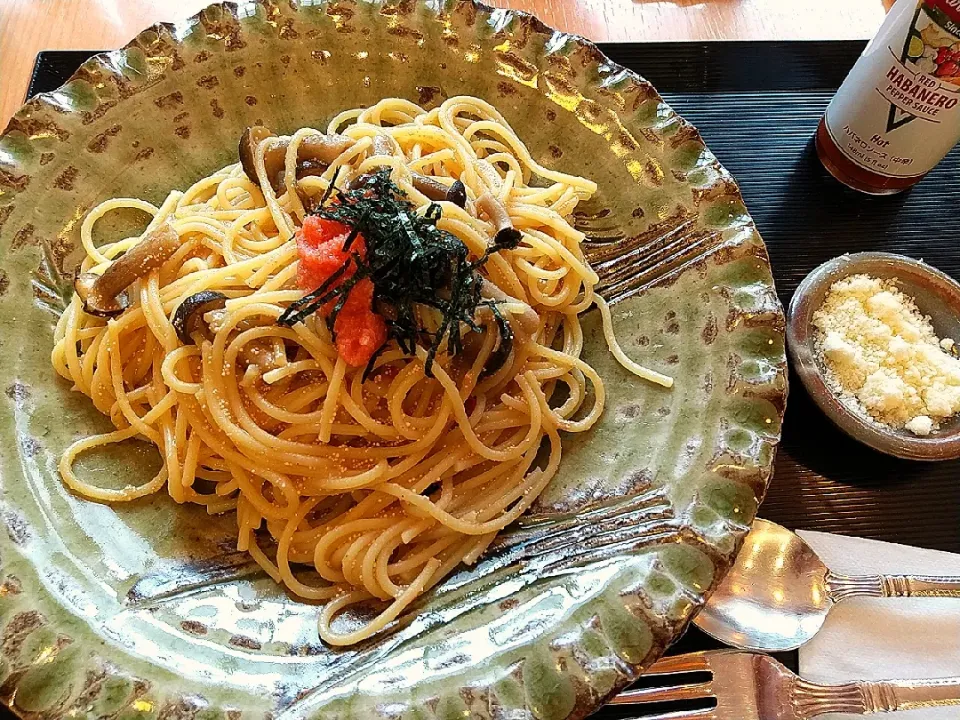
(381, 479)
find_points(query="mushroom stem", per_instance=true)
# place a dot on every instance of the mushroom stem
(510, 326)
(384, 146)
(436, 190)
(149, 254)
(504, 347)
(528, 320)
(322, 148)
(188, 317)
(100, 294)
(507, 236)
(318, 148)
(358, 181)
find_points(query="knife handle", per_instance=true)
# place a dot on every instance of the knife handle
(841, 587)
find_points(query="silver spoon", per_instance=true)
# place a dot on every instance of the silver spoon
(778, 592)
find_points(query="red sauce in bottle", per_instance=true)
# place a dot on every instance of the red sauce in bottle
(898, 112)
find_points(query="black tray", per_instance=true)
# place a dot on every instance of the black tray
(757, 105)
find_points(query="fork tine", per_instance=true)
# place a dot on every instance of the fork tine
(703, 714)
(642, 696)
(691, 662)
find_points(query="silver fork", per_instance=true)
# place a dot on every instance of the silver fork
(752, 686)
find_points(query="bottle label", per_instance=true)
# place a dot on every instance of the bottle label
(898, 112)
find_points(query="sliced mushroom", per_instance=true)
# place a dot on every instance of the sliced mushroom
(323, 148)
(382, 146)
(507, 236)
(504, 347)
(103, 295)
(311, 168)
(509, 326)
(307, 168)
(528, 320)
(202, 315)
(436, 190)
(457, 194)
(359, 181)
(313, 152)
(188, 318)
(249, 142)
(85, 287)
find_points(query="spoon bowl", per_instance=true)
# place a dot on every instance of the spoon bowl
(778, 592)
(784, 609)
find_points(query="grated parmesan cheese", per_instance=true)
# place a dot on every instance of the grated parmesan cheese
(882, 355)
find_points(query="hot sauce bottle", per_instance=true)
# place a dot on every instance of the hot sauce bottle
(898, 112)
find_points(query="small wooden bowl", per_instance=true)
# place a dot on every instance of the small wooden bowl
(937, 295)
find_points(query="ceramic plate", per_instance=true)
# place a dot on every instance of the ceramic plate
(145, 611)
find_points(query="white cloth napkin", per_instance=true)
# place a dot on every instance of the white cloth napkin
(885, 638)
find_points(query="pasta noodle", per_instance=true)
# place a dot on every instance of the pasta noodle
(381, 484)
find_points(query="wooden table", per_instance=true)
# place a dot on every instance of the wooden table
(28, 26)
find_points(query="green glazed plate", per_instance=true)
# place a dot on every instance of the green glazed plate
(144, 610)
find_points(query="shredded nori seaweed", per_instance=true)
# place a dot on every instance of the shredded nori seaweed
(410, 261)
